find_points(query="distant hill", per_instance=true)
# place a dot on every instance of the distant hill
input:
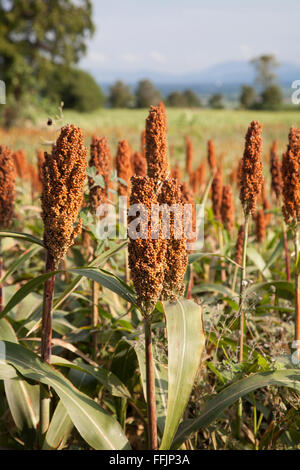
(226, 77)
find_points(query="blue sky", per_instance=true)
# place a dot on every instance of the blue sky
(181, 36)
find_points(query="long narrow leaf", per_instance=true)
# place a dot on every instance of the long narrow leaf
(283, 378)
(185, 345)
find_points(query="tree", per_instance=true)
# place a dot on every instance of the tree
(271, 97)
(176, 99)
(120, 95)
(248, 96)
(81, 92)
(216, 101)
(192, 99)
(37, 35)
(265, 65)
(146, 94)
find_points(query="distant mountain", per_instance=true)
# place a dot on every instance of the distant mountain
(226, 78)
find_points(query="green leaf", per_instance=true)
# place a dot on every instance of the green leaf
(185, 345)
(108, 280)
(275, 254)
(59, 430)
(26, 237)
(23, 401)
(19, 261)
(215, 407)
(100, 430)
(109, 380)
(25, 290)
(22, 398)
(96, 262)
(161, 382)
(259, 262)
(202, 288)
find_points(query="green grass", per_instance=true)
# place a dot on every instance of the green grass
(226, 127)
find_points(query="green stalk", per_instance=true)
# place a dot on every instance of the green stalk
(150, 379)
(1, 269)
(241, 314)
(297, 288)
(46, 340)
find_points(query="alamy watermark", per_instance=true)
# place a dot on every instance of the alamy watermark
(2, 92)
(296, 94)
(160, 221)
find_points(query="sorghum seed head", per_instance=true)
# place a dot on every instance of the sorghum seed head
(176, 254)
(239, 245)
(139, 164)
(40, 163)
(260, 226)
(276, 171)
(64, 173)
(176, 172)
(211, 155)
(217, 191)
(21, 165)
(101, 160)
(7, 187)
(146, 255)
(227, 208)
(189, 155)
(143, 142)
(123, 164)
(156, 144)
(187, 197)
(291, 178)
(251, 170)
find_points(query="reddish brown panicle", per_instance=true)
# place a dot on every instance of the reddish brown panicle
(139, 164)
(291, 178)
(146, 254)
(123, 164)
(187, 197)
(251, 170)
(7, 187)
(188, 155)
(156, 144)
(40, 163)
(101, 160)
(276, 171)
(260, 226)
(176, 253)
(64, 173)
(211, 155)
(227, 208)
(217, 192)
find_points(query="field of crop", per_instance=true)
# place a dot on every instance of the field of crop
(142, 344)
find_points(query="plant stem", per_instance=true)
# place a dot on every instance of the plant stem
(221, 246)
(150, 379)
(242, 316)
(286, 250)
(95, 292)
(242, 288)
(46, 347)
(1, 269)
(297, 288)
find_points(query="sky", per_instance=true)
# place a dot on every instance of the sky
(176, 37)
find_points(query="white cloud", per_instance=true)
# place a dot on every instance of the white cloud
(246, 51)
(129, 58)
(97, 57)
(158, 57)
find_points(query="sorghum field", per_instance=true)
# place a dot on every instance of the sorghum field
(146, 343)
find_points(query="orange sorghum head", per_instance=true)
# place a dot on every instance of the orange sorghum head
(7, 187)
(291, 178)
(251, 169)
(64, 173)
